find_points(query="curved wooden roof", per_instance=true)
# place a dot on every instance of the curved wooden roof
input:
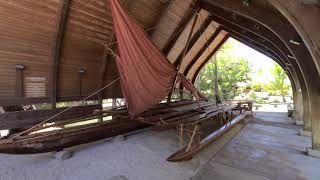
(55, 40)
(62, 44)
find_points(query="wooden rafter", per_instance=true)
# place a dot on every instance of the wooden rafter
(258, 47)
(194, 39)
(246, 24)
(235, 29)
(202, 50)
(269, 47)
(56, 52)
(178, 30)
(269, 54)
(209, 57)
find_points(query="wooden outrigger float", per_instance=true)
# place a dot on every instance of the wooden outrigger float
(194, 147)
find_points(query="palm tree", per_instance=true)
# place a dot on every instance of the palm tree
(279, 85)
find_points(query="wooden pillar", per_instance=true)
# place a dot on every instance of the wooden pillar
(19, 80)
(56, 51)
(81, 72)
(102, 73)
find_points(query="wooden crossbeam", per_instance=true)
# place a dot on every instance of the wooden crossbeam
(56, 51)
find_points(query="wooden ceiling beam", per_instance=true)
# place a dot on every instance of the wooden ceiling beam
(202, 50)
(57, 48)
(271, 55)
(247, 25)
(209, 57)
(273, 25)
(194, 39)
(259, 48)
(263, 33)
(238, 30)
(178, 30)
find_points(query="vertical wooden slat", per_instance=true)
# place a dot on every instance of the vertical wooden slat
(56, 52)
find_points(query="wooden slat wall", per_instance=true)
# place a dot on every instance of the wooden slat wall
(27, 30)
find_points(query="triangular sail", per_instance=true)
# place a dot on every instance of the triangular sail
(147, 75)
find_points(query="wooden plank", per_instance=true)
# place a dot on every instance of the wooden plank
(61, 22)
(23, 119)
(208, 58)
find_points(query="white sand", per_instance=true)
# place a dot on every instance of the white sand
(139, 157)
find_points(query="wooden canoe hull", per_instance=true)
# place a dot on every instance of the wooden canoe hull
(183, 155)
(59, 140)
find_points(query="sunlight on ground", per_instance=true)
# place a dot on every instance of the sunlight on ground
(270, 107)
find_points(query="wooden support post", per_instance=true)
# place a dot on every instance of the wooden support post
(19, 80)
(114, 103)
(82, 72)
(181, 136)
(56, 51)
(192, 137)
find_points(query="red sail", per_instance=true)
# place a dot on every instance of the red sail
(146, 74)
